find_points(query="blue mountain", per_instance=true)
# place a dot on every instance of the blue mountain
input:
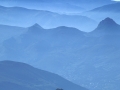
(64, 6)
(16, 75)
(109, 10)
(7, 31)
(107, 26)
(88, 59)
(19, 16)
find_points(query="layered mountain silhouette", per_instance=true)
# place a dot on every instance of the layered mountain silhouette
(68, 5)
(88, 59)
(107, 26)
(16, 75)
(109, 10)
(50, 43)
(19, 16)
(36, 28)
(7, 31)
(50, 5)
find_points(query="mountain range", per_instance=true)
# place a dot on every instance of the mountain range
(107, 26)
(18, 16)
(61, 37)
(87, 4)
(7, 32)
(109, 10)
(88, 59)
(21, 76)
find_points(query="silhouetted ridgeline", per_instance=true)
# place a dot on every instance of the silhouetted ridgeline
(20, 76)
(88, 59)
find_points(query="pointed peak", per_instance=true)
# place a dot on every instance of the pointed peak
(36, 28)
(107, 26)
(36, 25)
(107, 22)
(108, 18)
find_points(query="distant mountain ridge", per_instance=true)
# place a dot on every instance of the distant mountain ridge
(108, 26)
(88, 59)
(16, 75)
(108, 8)
(7, 31)
(19, 16)
(80, 3)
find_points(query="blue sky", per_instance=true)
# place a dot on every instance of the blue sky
(116, 0)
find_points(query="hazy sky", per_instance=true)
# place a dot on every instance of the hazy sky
(116, 0)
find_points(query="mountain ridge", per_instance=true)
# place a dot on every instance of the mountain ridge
(78, 56)
(21, 75)
(107, 25)
(20, 16)
(108, 8)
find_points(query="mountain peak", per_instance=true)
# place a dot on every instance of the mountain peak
(108, 19)
(36, 25)
(68, 30)
(107, 26)
(107, 22)
(36, 28)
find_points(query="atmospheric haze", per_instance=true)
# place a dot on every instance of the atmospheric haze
(59, 45)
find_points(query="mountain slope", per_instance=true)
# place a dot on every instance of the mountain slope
(7, 31)
(109, 10)
(12, 86)
(19, 16)
(16, 75)
(87, 4)
(41, 40)
(107, 27)
(88, 59)
(97, 59)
